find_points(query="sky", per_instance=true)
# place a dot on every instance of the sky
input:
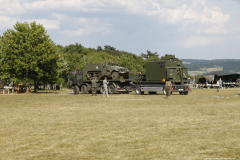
(188, 29)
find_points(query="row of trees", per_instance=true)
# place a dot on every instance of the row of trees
(77, 56)
(27, 52)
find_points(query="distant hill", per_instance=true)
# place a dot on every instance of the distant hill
(226, 64)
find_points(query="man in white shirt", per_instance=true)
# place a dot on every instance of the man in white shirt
(105, 89)
(217, 86)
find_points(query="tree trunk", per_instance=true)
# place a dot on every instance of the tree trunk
(27, 79)
(35, 86)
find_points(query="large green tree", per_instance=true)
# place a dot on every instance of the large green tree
(28, 52)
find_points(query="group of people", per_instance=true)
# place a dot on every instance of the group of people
(54, 87)
(94, 81)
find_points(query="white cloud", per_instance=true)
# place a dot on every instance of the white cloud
(89, 26)
(11, 7)
(217, 17)
(188, 14)
(197, 41)
(59, 16)
(47, 24)
(83, 5)
(7, 22)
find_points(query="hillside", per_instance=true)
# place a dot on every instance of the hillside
(226, 64)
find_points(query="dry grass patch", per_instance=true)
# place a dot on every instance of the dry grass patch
(203, 124)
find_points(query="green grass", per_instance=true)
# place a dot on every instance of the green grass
(59, 125)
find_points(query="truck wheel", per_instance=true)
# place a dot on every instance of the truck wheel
(138, 91)
(152, 92)
(181, 93)
(115, 75)
(185, 93)
(164, 92)
(75, 90)
(111, 89)
(84, 89)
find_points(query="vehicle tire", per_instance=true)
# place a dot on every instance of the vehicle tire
(115, 75)
(149, 92)
(111, 89)
(138, 91)
(164, 92)
(181, 93)
(75, 90)
(185, 93)
(84, 89)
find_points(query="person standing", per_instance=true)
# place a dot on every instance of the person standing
(105, 88)
(168, 88)
(217, 86)
(94, 85)
(220, 83)
(48, 87)
(55, 87)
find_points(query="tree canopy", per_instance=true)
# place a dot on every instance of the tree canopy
(169, 57)
(149, 55)
(28, 52)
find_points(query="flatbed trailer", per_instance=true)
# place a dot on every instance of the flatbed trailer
(79, 82)
(153, 88)
(114, 86)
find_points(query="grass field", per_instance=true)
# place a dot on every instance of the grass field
(203, 124)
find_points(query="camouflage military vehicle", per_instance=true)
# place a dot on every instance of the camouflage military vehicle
(157, 73)
(80, 82)
(110, 70)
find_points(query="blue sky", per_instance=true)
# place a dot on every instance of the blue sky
(189, 29)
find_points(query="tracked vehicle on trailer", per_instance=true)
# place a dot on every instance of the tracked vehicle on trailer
(156, 75)
(118, 78)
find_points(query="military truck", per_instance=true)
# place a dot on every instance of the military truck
(80, 81)
(110, 70)
(156, 75)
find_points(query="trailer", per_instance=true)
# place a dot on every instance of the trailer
(79, 81)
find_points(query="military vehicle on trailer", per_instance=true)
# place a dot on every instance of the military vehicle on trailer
(80, 80)
(110, 70)
(156, 75)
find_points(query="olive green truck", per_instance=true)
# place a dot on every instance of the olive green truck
(157, 73)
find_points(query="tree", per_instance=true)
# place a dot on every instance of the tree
(1, 70)
(130, 63)
(169, 57)
(28, 52)
(99, 48)
(149, 55)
